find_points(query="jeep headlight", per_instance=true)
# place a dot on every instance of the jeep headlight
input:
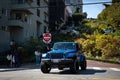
(44, 55)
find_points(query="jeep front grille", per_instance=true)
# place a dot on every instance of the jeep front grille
(56, 55)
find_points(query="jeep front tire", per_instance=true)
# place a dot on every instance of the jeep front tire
(74, 68)
(83, 65)
(45, 68)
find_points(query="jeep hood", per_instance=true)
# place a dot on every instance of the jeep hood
(63, 51)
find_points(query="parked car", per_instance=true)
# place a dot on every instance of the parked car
(64, 55)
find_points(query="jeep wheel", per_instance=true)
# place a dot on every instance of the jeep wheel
(83, 65)
(45, 68)
(74, 68)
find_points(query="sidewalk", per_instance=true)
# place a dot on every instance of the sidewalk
(3, 68)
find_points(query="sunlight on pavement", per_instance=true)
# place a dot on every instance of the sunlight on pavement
(53, 77)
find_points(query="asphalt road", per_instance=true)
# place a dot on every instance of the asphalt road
(95, 71)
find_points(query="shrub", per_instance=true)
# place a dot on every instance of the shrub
(29, 48)
(109, 45)
(105, 46)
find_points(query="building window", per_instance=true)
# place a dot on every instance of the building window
(4, 12)
(79, 1)
(45, 17)
(67, 1)
(38, 29)
(18, 16)
(26, 17)
(30, 22)
(45, 29)
(18, 1)
(38, 2)
(30, 1)
(71, 2)
(38, 12)
(3, 28)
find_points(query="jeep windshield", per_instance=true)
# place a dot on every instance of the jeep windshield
(64, 46)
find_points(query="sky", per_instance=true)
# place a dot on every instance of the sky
(95, 9)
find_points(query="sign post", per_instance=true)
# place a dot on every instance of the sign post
(47, 37)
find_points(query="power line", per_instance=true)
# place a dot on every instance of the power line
(95, 3)
(61, 6)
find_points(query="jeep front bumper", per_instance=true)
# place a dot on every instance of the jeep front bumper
(57, 61)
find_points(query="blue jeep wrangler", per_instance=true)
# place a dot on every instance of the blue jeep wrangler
(63, 55)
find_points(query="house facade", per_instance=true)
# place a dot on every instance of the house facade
(22, 19)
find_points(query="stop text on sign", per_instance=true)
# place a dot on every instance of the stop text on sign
(47, 37)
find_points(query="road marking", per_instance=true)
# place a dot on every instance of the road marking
(32, 77)
(53, 77)
(115, 69)
(97, 68)
(48, 77)
(55, 69)
(102, 79)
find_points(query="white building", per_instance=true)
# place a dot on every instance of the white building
(22, 19)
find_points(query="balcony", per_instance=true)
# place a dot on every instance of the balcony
(17, 23)
(21, 7)
(21, 1)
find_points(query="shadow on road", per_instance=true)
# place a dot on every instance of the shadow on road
(62, 72)
(84, 72)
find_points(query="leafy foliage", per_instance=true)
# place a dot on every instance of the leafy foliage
(106, 46)
(28, 49)
(114, 1)
(78, 17)
(111, 15)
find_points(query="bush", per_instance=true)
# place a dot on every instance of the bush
(109, 45)
(105, 46)
(28, 49)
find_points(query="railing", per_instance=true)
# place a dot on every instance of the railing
(21, 1)
(17, 22)
(22, 20)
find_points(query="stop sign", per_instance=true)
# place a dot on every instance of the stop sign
(47, 37)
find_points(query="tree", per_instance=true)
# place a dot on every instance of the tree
(115, 1)
(78, 17)
(69, 21)
(111, 15)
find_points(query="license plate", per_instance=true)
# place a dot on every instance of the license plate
(55, 60)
